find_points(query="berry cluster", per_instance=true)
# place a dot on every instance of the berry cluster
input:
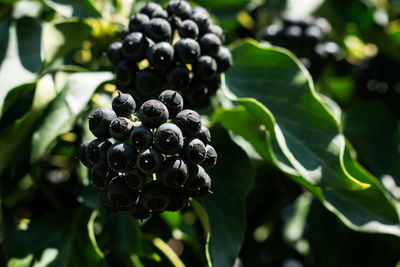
(177, 47)
(155, 164)
(306, 38)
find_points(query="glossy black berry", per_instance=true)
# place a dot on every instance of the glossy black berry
(204, 135)
(120, 128)
(135, 179)
(158, 29)
(179, 77)
(189, 121)
(202, 19)
(179, 8)
(137, 22)
(114, 53)
(203, 187)
(134, 46)
(101, 177)
(218, 31)
(193, 151)
(150, 8)
(149, 161)
(187, 50)
(224, 59)
(188, 29)
(161, 13)
(96, 152)
(99, 122)
(211, 158)
(197, 178)
(148, 82)
(175, 22)
(174, 172)
(153, 113)
(205, 67)
(141, 137)
(197, 95)
(106, 202)
(160, 55)
(120, 194)
(155, 196)
(125, 72)
(214, 83)
(139, 212)
(82, 153)
(124, 32)
(179, 199)
(168, 139)
(121, 157)
(124, 105)
(173, 101)
(210, 44)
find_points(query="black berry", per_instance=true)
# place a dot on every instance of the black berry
(99, 122)
(82, 153)
(158, 29)
(173, 101)
(96, 152)
(224, 59)
(179, 77)
(141, 137)
(179, 199)
(121, 157)
(124, 105)
(120, 194)
(179, 8)
(137, 22)
(134, 46)
(205, 67)
(174, 172)
(148, 82)
(187, 50)
(194, 151)
(135, 179)
(155, 196)
(153, 113)
(189, 121)
(204, 135)
(160, 55)
(149, 161)
(168, 139)
(210, 44)
(114, 53)
(211, 158)
(120, 128)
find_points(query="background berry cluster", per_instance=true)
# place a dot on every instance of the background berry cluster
(155, 164)
(177, 48)
(306, 38)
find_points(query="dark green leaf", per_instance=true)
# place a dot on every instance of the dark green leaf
(63, 112)
(74, 8)
(57, 239)
(225, 217)
(222, 4)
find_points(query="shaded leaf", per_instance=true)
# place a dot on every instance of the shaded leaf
(224, 215)
(74, 8)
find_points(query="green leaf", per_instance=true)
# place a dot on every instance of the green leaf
(63, 112)
(61, 38)
(74, 8)
(22, 60)
(222, 4)
(278, 92)
(301, 9)
(225, 217)
(57, 239)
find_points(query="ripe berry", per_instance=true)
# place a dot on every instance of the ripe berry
(106, 202)
(197, 95)
(211, 158)
(137, 22)
(148, 82)
(125, 72)
(114, 53)
(150, 8)
(224, 59)
(121, 157)
(204, 135)
(158, 29)
(96, 152)
(135, 179)
(179, 77)
(188, 29)
(139, 212)
(134, 46)
(189, 121)
(99, 122)
(203, 188)
(168, 139)
(187, 50)
(218, 31)
(123, 33)
(124, 105)
(179, 8)
(205, 67)
(153, 113)
(210, 44)
(149, 161)
(160, 55)
(82, 153)
(174, 172)
(155, 196)
(313, 34)
(193, 151)
(214, 84)
(173, 101)
(120, 194)
(160, 14)
(179, 199)
(197, 177)
(141, 137)
(202, 19)
(120, 128)
(175, 22)
(101, 177)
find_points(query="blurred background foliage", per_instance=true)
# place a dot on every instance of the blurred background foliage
(53, 73)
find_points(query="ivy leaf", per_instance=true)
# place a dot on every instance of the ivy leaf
(57, 239)
(74, 8)
(223, 213)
